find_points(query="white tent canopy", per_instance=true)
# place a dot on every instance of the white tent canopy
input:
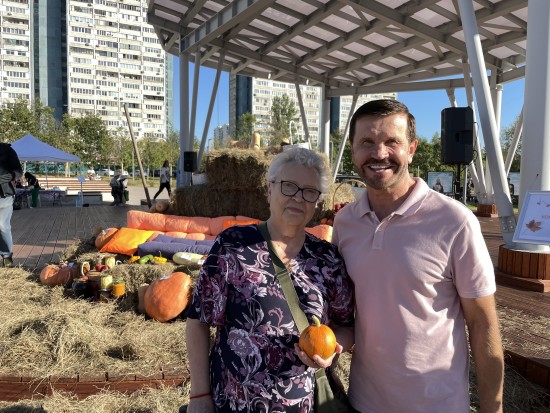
(32, 149)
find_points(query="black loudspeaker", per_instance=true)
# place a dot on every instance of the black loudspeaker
(189, 161)
(457, 135)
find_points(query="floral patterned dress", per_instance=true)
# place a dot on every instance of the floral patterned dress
(253, 365)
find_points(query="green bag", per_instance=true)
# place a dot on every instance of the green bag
(126, 195)
(330, 395)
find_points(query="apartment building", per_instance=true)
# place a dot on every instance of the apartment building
(82, 56)
(15, 50)
(255, 96)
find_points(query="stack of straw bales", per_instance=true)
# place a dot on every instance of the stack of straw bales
(236, 185)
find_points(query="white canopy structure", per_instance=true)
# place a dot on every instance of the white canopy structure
(32, 149)
(352, 47)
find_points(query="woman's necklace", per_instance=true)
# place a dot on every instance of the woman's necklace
(282, 256)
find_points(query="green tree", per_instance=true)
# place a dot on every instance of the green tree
(506, 138)
(283, 110)
(428, 157)
(20, 118)
(246, 126)
(122, 148)
(89, 138)
(346, 163)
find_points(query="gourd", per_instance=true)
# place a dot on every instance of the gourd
(168, 296)
(161, 206)
(141, 298)
(104, 236)
(133, 259)
(188, 258)
(110, 261)
(52, 275)
(318, 339)
(145, 259)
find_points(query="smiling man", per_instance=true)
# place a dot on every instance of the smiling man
(422, 274)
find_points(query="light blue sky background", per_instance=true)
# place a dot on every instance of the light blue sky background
(425, 106)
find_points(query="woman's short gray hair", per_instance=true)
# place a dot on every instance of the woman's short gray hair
(303, 157)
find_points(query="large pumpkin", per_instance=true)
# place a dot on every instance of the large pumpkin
(168, 296)
(318, 339)
(52, 275)
(161, 206)
(104, 236)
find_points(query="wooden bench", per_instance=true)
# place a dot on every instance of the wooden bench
(94, 191)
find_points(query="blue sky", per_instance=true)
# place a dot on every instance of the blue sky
(425, 106)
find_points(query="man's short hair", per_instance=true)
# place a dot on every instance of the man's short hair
(381, 108)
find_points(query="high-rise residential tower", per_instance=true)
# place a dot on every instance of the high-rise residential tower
(82, 56)
(255, 96)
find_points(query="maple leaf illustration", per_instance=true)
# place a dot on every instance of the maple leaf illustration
(533, 225)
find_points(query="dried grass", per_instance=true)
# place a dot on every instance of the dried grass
(43, 333)
(238, 169)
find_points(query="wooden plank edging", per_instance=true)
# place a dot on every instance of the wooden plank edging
(15, 387)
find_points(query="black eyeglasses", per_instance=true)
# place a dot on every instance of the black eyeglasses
(290, 189)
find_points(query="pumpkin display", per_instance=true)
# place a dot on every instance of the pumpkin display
(110, 261)
(188, 258)
(168, 296)
(318, 339)
(104, 236)
(161, 206)
(52, 275)
(141, 298)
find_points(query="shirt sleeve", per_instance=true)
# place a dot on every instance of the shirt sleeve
(210, 293)
(341, 295)
(472, 268)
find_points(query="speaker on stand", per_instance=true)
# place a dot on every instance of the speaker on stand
(190, 162)
(457, 136)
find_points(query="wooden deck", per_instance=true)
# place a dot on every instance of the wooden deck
(40, 236)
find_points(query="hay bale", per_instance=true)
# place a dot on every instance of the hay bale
(236, 168)
(204, 201)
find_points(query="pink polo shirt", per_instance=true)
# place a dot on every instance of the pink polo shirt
(410, 270)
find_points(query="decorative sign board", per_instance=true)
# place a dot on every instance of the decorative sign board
(534, 219)
(445, 179)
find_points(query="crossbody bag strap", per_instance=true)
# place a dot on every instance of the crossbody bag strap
(286, 283)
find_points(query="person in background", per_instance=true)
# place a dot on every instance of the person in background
(511, 188)
(117, 188)
(438, 186)
(164, 179)
(418, 284)
(254, 364)
(123, 183)
(10, 171)
(91, 173)
(34, 185)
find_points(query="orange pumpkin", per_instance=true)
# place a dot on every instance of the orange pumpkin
(168, 296)
(161, 206)
(52, 275)
(104, 236)
(318, 339)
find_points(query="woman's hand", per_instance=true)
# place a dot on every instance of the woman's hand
(316, 361)
(201, 405)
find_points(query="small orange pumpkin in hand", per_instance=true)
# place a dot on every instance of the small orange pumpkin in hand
(318, 339)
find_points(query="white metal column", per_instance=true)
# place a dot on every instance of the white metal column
(476, 168)
(336, 165)
(535, 151)
(184, 179)
(488, 122)
(514, 144)
(211, 107)
(302, 111)
(324, 129)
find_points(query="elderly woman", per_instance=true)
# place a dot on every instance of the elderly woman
(254, 364)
